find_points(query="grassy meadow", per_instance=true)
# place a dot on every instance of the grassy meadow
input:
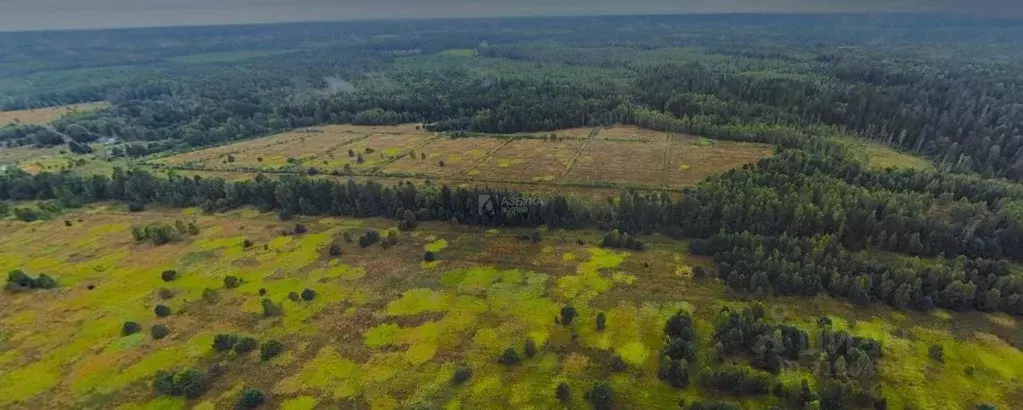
(388, 330)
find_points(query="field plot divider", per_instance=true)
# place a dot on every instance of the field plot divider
(487, 156)
(391, 160)
(579, 153)
(666, 166)
(333, 149)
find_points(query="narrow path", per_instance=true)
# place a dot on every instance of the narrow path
(388, 161)
(666, 166)
(487, 156)
(579, 153)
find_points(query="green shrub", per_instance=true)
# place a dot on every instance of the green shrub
(308, 295)
(335, 250)
(567, 314)
(270, 349)
(462, 374)
(937, 353)
(191, 383)
(601, 395)
(270, 309)
(251, 398)
(162, 311)
(293, 296)
(231, 282)
(509, 357)
(563, 392)
(224, 342)
(169, 275)
(300, 229)
(429, 256)
(159, 332)
(164, 383)
(245, 344)
(247, 244)
(130, 328)
(530, 348)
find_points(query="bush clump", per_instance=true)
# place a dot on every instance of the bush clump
(509, 357)
(130, 328)
(190, 383)
(308, 295)
(462, 374)
(231, 282)
(601, 395)
(162, 311)
(159, 332)
(169, 275)
(17, 281)
(251, 398)
(245, 344)
(270, 349)
(224, 342)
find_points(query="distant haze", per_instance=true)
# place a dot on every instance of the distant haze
(63, 14)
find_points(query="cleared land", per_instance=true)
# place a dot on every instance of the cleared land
(880, 157)
(636, 163)
(42, 116)
(459, 155)
(630, 133)
(695, 159)
(387, 330)
(529, 160)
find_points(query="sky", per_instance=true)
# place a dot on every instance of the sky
(63, 14)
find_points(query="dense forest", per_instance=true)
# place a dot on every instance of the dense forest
(946, 88)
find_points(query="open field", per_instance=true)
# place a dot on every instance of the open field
(459, 155)
(637, 163)
(386, 330)
(630, 133)
(879, 156)
(615, 157)
(45, 115)
(693, 160)
(529, 160)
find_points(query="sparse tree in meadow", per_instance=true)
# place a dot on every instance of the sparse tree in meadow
(601, 395)
(251, 398)
(270, 349)
(231, 282)
(563, 392)
(567, 314)
(270, 309)
(159, 331)
(509, 357)
(308, 295)
(162, 311)
(130, 328)
(462, 374)
(245, 344)
(224, 342)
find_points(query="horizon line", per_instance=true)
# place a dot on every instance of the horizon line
(512, 17)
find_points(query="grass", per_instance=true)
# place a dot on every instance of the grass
(41, 116)
(880, 157)
(385, 332)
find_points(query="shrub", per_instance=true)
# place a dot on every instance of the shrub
(44, 281)
(441, 163)
(191, 383)
(308, 295)
(567, 314)
(169, 275)
(270, 308)
(159, 332)
(130, 328)
(334, 250)
(618, 365)
(165, 293)
(601, 395)
(509, 357)
(530, 348)
(17, 280)
(251, 398)
(293, 296)
(937, 353)
(601, 321)
(462, 374)
(245, 344)
(159, 234)
(162, 311)
(270, 349)
(224, 342)
(615, 239)
(429, 256)
(210, 296)
(164, 383)
(563, 392)
(300, 229)
(231, 282)
(247, 243)
(67, 223)
(312, 171)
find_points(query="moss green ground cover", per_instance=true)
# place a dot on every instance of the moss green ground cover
(388, 331)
